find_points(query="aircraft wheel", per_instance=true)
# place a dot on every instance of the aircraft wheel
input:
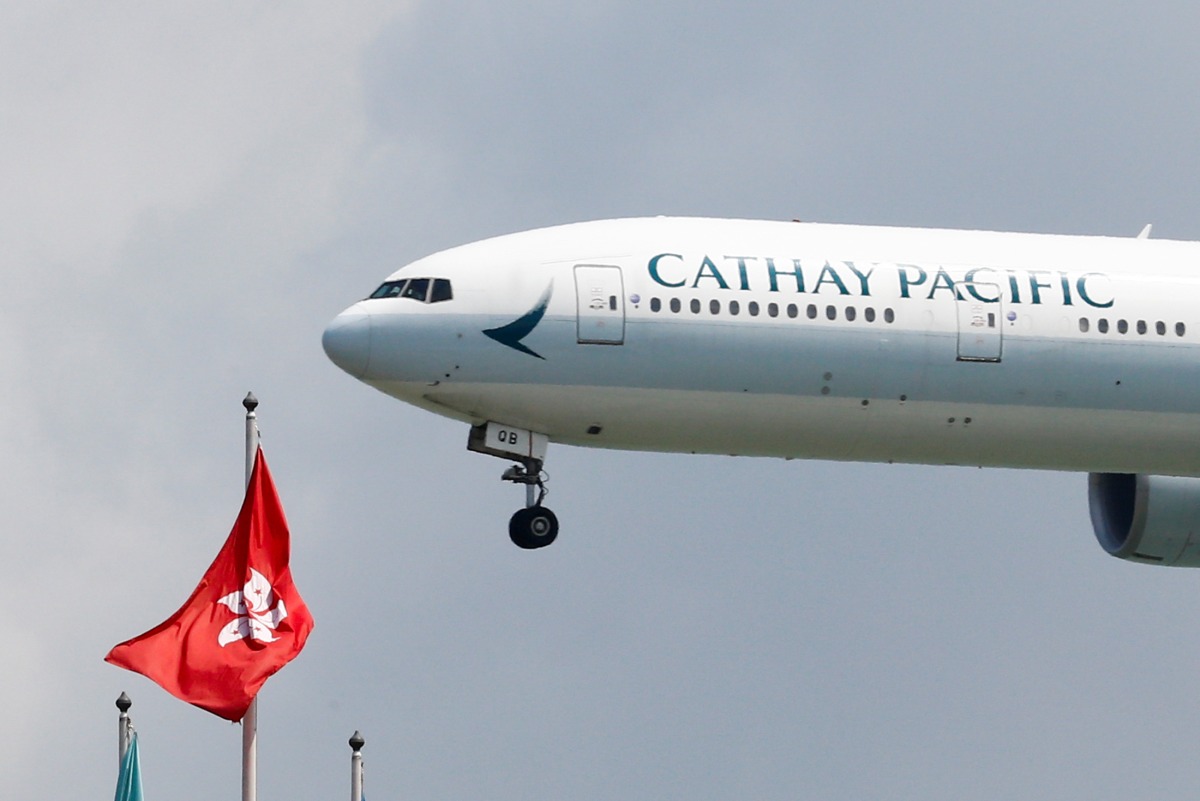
(533, 527)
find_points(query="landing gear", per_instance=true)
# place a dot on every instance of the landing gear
(535, 526)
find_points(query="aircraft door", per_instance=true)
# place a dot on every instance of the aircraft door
(980, 336)
(600, 299)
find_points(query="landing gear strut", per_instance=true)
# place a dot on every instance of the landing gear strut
(535, 526)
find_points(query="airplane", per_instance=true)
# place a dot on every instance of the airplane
(814, 341)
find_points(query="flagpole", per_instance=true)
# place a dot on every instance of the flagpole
(356, 767)
(250, 720)
(123, 726)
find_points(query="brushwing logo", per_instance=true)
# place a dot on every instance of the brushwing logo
(256, 619)
(512, 334)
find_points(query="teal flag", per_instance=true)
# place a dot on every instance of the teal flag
(129, 780)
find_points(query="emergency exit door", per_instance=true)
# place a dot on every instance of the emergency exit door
(600, 299)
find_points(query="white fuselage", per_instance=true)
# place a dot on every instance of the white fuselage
(806, 341)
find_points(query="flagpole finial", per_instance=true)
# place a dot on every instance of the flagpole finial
(250, 402)
(124, 727)
(357, 742)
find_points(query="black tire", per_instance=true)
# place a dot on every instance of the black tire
(533, 527)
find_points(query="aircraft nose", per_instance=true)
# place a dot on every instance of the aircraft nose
(347, 342)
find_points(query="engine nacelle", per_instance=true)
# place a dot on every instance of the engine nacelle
(1149, 519)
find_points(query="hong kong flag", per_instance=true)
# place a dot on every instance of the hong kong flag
(243, 622)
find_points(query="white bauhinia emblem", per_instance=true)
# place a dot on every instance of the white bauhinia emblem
(253, 605)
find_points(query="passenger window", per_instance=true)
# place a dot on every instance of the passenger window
(869, 313)
(1083, 324)
(811, 311)
(441, 291)
(889, 316)
(695, 304)
(773, 309)
(675, 305)
(752, 307)
(851, 313)
(734, 308)
(792, 310)
(1122, 326)
(1141, 326)
(831, 312)
(1161, 328)
(1179, 329)
(1102, 325)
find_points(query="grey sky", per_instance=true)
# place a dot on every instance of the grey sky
(191, 193)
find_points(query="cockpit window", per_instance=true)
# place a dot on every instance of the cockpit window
(426, 290)
(389, 289)
(417, 289)
(441, 290)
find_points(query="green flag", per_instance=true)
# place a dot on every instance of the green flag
(129, 780)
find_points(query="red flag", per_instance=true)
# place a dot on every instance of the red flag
(243, 622)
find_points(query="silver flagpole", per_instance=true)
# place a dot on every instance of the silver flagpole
(356, 767)
(123, 704)
(250, 720)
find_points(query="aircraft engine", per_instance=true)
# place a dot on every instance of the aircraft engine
(1148, 519)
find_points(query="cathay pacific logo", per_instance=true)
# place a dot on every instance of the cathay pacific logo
(523, 326)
